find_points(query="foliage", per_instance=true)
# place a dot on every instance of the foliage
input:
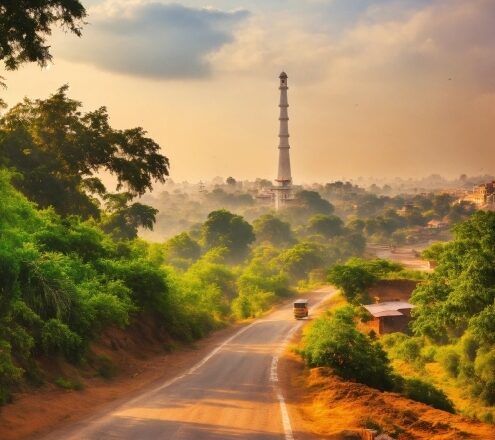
(425, 392)
(357, 275)
(224, 229)
(274, 230)
(351, 280)
(334, 341)
(122, 219)
(57, 151)
(25, 25)
(182, 248)
(299, 260)
(326, 225)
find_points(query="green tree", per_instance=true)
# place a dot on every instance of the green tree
(25, 24)
(326, 225)
(272, 229)
(301, 259)
(224, 229)
(122, 219)
(58, 151)
(182, 246)
(314, 203)
(352, 280)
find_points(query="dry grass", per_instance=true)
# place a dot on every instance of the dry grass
(327, 406)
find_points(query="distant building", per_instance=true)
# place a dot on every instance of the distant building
(390, 316)
(438, 224)
(407, 209)
(483, 196)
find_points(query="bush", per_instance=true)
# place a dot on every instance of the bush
(427, 393)
(57, 338)
(333, 341)
(401, 346)
(449, 359)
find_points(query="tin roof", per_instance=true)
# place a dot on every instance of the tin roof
(389, 308)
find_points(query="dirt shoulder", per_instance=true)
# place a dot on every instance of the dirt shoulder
(325, 405)
(37, 412)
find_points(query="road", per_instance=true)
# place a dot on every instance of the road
(233, 393)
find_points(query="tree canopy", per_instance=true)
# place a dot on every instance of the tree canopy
(224, 229)
(58, 151)
(25, 25)
(270, 228)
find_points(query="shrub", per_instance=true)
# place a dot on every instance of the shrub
(57, 338)
(427, 393)
(9, 373)
(334, 341)
(450, 359)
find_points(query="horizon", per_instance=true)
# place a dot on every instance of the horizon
(380, 88)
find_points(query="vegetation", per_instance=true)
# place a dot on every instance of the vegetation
(334, 341)
(57, 152)
(25, 25)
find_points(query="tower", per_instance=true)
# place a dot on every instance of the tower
(283, 187)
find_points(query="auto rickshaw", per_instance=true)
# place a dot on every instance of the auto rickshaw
(301, 308)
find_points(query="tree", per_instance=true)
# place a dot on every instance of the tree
(461, 288)
(224, 229)
(58, 151)
(183, 246)
(25, 24)
(326, 225)
(314, 203)
(272, 229)
(301, 259)
(122, 219)
(230, 181)
(351, 279)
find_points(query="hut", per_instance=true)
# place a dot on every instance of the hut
(390, 316)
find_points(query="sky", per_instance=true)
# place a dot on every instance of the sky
(379, 88)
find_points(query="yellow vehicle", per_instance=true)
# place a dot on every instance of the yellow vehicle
(301, 308)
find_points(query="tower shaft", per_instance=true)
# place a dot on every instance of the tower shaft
(283, 181)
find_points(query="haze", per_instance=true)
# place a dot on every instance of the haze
(377, 88)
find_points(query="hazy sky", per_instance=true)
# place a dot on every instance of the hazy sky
(377, 87)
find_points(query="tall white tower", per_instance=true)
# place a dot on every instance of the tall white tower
(283, 187)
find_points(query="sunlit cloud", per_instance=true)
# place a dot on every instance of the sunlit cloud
(152, 39)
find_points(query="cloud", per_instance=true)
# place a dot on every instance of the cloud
(152, 39)
(399, 41)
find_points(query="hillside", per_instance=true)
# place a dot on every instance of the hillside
(327, 406)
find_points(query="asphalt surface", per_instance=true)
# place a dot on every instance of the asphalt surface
(230, 394)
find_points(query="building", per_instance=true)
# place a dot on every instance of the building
(483, 196)
(390, 316)
(283, 183)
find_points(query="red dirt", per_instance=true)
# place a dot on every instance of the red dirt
(143, 356)
(327, 406)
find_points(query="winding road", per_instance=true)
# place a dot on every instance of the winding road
(232, 393)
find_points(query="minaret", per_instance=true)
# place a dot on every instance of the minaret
(283, 187)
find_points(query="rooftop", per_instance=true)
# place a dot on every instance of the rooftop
(389, 308)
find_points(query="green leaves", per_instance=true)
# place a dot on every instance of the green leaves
(57, 152)
(25, 24)
(224, 229)
(334, 341)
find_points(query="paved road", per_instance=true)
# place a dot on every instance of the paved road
(231, 394)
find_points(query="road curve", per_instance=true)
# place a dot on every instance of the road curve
(231, 394)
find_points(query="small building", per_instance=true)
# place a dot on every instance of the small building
(390, 316)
